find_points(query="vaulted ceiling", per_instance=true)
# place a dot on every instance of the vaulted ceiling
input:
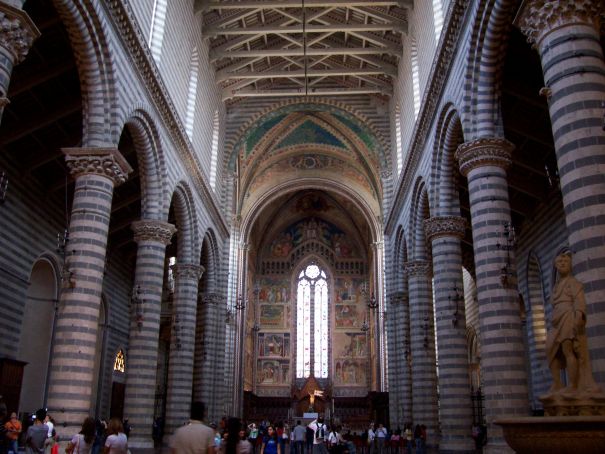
(304, 48)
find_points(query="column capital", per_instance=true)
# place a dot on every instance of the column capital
(152, 230)
(417, 268)
(188, 271)
(485, 151)
(17, 31)
(537, 18)
(107, 162)
(211, 298)
(442, 226)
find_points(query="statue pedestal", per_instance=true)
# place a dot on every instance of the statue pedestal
(575, 403)
(555, 434)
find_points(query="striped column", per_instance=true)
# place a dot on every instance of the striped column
(17, 34)
(422, 349)
(96, 172)
(566, 34)
(182, 345)
(484, 162)
(400, 380)
(211, 315)
(152, 237)
(455, 406)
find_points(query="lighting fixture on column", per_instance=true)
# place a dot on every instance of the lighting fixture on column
(228, 316)
(365, 326)
(240, 303)
(67, 276)
(372, 303)
(137, 305)
(506, 273)
(3, 185)
(425, 327)
(455, 300)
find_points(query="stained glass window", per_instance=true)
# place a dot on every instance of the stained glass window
(312, 302)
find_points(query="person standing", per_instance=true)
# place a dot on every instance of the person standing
(13, 429)
(36, 434)
(319, 433)
(270, 442)
(117, 442)
(299, 438)
(81, 443)
(195, 437)
(381, 435)
(236, 442)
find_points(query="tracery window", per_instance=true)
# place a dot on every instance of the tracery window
(312, 329)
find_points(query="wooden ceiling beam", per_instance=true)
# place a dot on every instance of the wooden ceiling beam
(247, 93)
(299, 52)
(284, 74)
(294, 29)
(207, 5)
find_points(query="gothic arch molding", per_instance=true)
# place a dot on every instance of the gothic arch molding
(151, 162)
(88, 37)
(447, 139)
(492, 21)
(249, 218)
(186, 223)
(420, 209)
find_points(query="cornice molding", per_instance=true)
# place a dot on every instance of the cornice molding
(133, 40)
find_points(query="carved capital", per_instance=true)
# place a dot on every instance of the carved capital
(187, 271)
(107, 162)
(440, 226)
(151, 230)
(486, 151)
(17, 31)
(536, 18)
(417, 268)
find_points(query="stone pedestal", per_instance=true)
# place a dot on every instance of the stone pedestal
(555, 434)
(574, 404)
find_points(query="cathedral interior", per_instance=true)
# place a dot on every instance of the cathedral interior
(349, 208)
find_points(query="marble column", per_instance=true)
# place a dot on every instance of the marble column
(240, 316)
(152, 237)
(422, 348)
(484, 162)
(182, 345)
(17, 34)
(567, 36)
(379, 312)
(96, 172)
(455, 406)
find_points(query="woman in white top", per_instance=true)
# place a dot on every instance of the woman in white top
(81, 443)
(117, 442)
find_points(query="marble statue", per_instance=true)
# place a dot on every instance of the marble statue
(566, 342)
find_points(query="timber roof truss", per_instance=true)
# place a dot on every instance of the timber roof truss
(304, 47)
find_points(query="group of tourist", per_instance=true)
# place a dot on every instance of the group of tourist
(232, 436)
(94, 437)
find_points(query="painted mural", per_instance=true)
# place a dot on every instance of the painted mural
(350, 372)
(273, 372)
(274, 290)
(313, 229)
(272, 316)
(274, 345)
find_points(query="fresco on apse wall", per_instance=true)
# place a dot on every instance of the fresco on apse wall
(350, 372)
(274, 290)
(273, 372)
(351, 345)
(349, 307)
(310, 162)
(312, 229)
(310, 132)
(274, 345)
